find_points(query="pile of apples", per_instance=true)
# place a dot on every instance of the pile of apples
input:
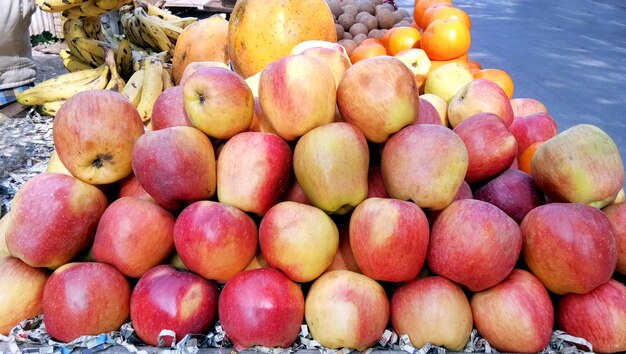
(324, 193)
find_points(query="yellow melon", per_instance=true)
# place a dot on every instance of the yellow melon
(261, 31)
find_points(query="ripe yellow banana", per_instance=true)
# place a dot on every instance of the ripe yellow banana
(132, 89)
(39, 95)
(58, 5)
(153, 10)
(93, 27)
(182, 22)
(170, 30)
(64, 53)
(50, 108)
(139, 31)
(93, 47)
(149, 26)
(73, 28)
(124, 58)
(74, 64)
(151, 88)
(109, 5)
(72, 78)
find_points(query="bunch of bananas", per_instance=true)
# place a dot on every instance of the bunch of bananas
(79, 9)
(146, 84)
(149, 26)
(51, 94)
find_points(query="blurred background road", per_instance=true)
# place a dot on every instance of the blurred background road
(570, 55)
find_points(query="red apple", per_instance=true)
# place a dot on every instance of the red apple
(474, 244)
(331, 164)
(570, 247)
(379, 96)
(52, 219)
(516, 315)
(432, 310)
(579, 165)
(130, 187)
(176, 166)
(301, 240)
(379, 227)
(465, 192)
(598, 316)
(490, 145)
(346, 310)
(526, 106)
(168, 298)
(439, 104)
(297, 93)
(428, 113)
(532, 128)
(21, 291)
(375, 183)
(261, 307)
(94, 132)
(85, 299)
(253, 171)
(338, 62)
(514, 192)
(134, 235)
(218, 102)
(197, 65)
(169, 109)
(617, 216)
(215, 240)
(479, 96)
(432, 173)
(4, 226)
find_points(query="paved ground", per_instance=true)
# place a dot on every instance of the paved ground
(567, 54)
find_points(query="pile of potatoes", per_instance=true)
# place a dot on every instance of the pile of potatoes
(357, 20)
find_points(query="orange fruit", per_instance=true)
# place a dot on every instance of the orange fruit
(445, 39)
(500, 77)
(402, 38)
(445, 13)
(422, 5)
(523, 160)
(424, 20)
(367, 50)
(434, 64)
(371, 40)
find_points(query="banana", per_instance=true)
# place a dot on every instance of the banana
(64, 53)
(132, 89)
(151, 87)
(149, 26)
(116, 82)
(73, 78)
(167, 79)
(182, 22)
(142, 32)
(170, 30)
(109, 5)
(93, 27)
(50, 108)
(58, 5)
(39, 95)
(73, 28)
(153, 10)
(93, 47)
(73, 64)
(124, 58)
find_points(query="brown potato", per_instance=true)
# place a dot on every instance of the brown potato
(350, 10)
(335, 8)
(358, 28)
(346, 20)
(340, 30)
(385, 19)
(370, 21)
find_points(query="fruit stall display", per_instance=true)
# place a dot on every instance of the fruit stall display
(348, 179)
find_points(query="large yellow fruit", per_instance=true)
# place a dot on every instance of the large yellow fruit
(205, 40)
(261, 31)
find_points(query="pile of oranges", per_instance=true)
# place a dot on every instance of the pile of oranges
(442, 31)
